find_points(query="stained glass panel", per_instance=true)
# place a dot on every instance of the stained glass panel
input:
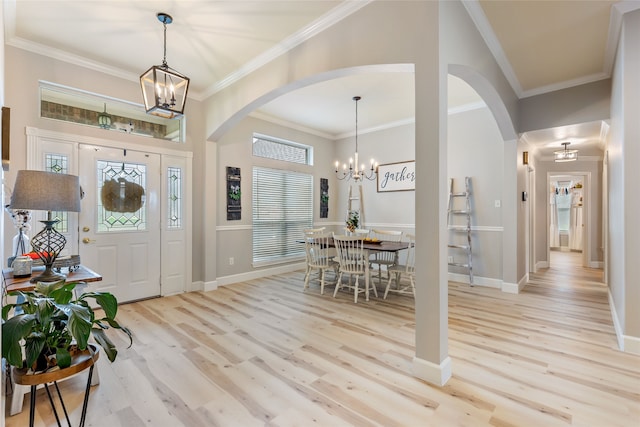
(59, 164)
(174, 185)
(122, 195)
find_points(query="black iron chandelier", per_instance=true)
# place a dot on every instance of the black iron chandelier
(164, 89)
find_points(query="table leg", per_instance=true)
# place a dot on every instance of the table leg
(32, 408)
(86, 398)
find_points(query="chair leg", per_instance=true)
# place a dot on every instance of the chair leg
(322, 281)
(386, 291)
(306, 278)
(355, 293)
(338, 284)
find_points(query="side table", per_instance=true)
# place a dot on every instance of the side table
(79, 363)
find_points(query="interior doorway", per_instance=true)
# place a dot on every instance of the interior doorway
(567, 213)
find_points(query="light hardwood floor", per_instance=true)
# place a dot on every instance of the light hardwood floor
(266, 353)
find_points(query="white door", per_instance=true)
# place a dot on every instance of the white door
(119, 224)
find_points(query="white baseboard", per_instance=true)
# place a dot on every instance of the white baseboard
(431, 372)
(210, 286)
(477, 280)
(542, 264)
(631, 344)
(522, 282)
(196, 286)
(510, 288)
(616, 324)
(256, 274)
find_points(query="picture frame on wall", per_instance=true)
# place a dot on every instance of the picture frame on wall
(6, 142)
(399, 176)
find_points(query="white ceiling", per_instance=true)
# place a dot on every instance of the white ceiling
(540, 45)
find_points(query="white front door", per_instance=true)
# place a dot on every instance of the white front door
(119, 224)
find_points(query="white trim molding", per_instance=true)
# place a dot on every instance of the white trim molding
(252, 275)
(432, 373)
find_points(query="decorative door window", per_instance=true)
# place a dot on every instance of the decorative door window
(58, 163)
(174, 186)
(121, 201)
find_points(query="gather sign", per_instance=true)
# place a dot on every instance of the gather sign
(397, 176)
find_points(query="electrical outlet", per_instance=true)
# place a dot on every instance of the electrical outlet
(450, 259)
(231, 261)
(497, 203)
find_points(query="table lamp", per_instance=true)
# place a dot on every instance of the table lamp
(47, 191)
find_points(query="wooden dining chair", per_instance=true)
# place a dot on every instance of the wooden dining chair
(320, 256)
(382, 258)
(397, 271)
(354, 261)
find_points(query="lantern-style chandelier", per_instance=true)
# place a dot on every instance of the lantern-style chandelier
(566, 155)
(164, 89)
(104, 119)
(355, 171)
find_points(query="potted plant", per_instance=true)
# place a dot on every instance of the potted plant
(51, 325)
(353, 221)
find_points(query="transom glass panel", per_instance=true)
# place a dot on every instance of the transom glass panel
(121, 202)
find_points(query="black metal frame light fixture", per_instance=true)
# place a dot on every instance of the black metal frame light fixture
(357, 172)
(104, 119)
(566, 155)
(164, 89)
(51, 192)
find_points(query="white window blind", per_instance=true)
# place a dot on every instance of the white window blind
(282, 208)
(279, 149)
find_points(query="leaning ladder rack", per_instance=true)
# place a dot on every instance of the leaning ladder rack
(453, 212)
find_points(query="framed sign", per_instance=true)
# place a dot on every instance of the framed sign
(6, 115)
(397, 176)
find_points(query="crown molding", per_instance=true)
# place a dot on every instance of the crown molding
(482, 25)
(291, 125)
(466, 107)
(326, 21)
(565, 84)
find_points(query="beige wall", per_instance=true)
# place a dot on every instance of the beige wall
(24, 70)
(579, 104)
(475, 149)
(623, 152)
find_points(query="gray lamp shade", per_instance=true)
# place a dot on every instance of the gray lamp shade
(46, 191)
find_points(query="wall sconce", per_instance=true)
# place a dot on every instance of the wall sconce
(525, 157)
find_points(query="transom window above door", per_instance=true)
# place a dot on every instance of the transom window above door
(72, 105)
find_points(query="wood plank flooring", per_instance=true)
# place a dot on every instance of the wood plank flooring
(267, 353)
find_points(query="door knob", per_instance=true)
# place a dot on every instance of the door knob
(87, 240)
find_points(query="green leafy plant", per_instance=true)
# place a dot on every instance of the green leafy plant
(234, 192)
(353, 220)
(324, 198)
(52, 323)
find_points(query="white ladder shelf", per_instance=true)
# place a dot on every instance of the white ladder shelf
(454, 211)
(355, 203)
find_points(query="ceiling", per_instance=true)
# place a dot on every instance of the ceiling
(540, 46)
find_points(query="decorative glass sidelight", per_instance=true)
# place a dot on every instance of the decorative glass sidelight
(122, 194)
(58, 163)
(174, 186)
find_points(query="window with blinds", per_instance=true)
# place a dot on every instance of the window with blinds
(282, 208)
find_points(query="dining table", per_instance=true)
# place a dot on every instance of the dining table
(379, 245)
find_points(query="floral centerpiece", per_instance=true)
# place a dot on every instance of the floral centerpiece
(353, 220)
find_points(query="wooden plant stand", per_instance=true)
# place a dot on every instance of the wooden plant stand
(79, 363)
